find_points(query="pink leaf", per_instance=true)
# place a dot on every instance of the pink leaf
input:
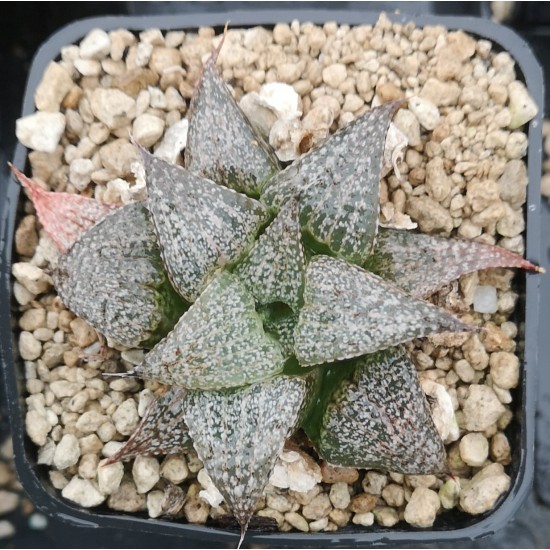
(64, 216)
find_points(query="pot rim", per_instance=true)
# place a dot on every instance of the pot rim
(491, 522)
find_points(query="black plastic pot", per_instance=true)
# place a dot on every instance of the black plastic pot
(450, 527)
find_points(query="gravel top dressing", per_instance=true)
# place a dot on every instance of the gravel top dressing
(453, 166)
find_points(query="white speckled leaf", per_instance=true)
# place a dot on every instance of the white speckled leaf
(274, 269)
(338, 185)
(379, 418)
(349, 312)
(222, 145)
(201, 226)
(136, 310)
(162, 430)
(281, 323)
(218, 343)
(422, 264)
(64, 216)
(242, 435)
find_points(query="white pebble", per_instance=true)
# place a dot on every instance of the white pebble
(95, 45)
(174, 469)
(147, 129)
(422, 507)
(82, 492)
(485, 299)
(67, 452)
(154, 503)
(145, 473)
(126, 417)
(174, 141)
(474, 449)
(109, 477)
(40, 131)
(425, 111)
(80, 173)
(482, 491)
(31, 277)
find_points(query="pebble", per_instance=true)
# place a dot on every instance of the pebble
(485, 299)
(394, 495)
(196, 510)
(385, 516)
(87, 467)
(90, 421)
(154, 503)
(481, 408)
(80, 173)
(318, 508)
(31, 277)
(425, 111)
(521, 105)
(335, 474)
(297, 521)
(429, 214)
(83, 492)
(109, 477)
(112, 107)
(173, 141)
(366, 519)
(40, 131)
(500, 449)
(146, 473)
(474, 449)
(126, 498)
(422, 507)
(126, 417)
(334, 74)
(339, 495)
(147, 129)
(8, 502)
(363, 503)
(481, 493)
(504, 369)
(7, 529)
(318, 525)
(54, 86)
(441, 94)
(29, 347)
(449, 494)
(26, 237)
(374, 482)
(174, 469)
(95, 45)
(67, 452)
(513, 182)
(296, 471)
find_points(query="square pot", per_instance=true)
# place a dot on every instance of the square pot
(452, 526)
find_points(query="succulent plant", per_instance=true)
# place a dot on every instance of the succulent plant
(270, 299)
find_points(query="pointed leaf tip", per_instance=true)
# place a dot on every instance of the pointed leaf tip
(242, 435)
(64, 216)
(222, 145)
(338, 185)
(350, 312)
(422, 264)
(162, 430)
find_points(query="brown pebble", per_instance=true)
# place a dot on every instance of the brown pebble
(363, 503)
(133, 82)
(26, 237)
(334, 474)
(389, 92)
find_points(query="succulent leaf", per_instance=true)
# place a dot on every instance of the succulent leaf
(392, 429)
(350, 312)
(338, 186)
(218, 343)
(201, 226)
(274, 269)
(243, 433)
(162, 430)
(422, 264)
(222, 145)
(136, 310)
(281, 322)
(64, 216)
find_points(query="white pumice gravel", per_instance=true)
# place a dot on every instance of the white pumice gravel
(462, 173)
